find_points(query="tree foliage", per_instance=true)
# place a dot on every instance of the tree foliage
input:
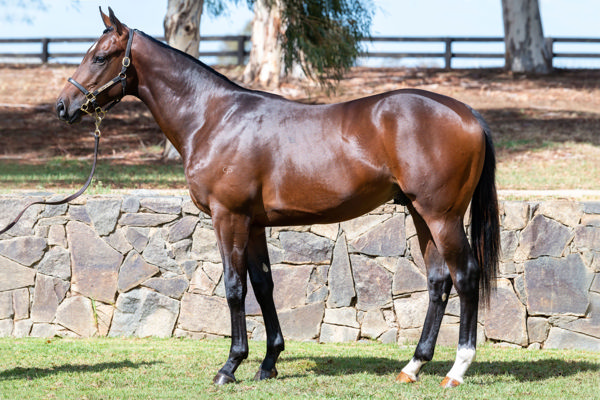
(323, 36)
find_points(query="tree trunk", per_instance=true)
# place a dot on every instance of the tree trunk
(526, 48)
(182, 25)
(182, 31)
(265, 62)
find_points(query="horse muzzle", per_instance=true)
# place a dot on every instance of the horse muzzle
(64, 114)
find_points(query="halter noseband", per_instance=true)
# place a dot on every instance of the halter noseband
(91, 107)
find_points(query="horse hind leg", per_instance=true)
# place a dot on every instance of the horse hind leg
(261, 278)
(439, 285)
(451, 241)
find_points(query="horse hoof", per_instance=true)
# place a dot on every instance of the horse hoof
(449, 383)
(403, 377)
(222, 379)
(262, 374)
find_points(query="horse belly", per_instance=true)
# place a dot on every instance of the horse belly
(313, 205)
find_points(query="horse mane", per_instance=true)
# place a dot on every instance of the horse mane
(189, 57)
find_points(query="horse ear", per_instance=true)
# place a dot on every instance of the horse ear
(111, 21)
(115, 22)
(105, 19)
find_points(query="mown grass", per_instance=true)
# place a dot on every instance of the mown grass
(183, 369)
(552, 167)
(59, 174)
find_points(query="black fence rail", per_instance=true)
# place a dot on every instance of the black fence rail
(449, 53)
(237, 47)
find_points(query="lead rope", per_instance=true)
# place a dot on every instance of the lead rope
(98, 115)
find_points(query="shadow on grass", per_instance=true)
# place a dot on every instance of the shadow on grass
(533, 128)
(532, 371)
(559, 78)
(37, 373)
(523, 371)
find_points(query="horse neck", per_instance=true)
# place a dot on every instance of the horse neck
(178, 90)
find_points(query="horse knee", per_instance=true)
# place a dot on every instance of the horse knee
(439, 286)
(235, 298)
(456, 252)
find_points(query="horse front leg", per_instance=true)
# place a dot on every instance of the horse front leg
(261, 278)
(232, 233)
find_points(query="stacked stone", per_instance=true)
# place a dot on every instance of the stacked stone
(549, 286)
(147, 265)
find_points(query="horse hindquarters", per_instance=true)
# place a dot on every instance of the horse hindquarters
(479, 270)
(443, 235)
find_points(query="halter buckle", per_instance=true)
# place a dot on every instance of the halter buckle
(85, 107)
(99, 115)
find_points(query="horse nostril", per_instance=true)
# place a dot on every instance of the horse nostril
(61, 110)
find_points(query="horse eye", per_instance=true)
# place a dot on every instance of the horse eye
(99, 60)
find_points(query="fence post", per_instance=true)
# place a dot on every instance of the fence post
(550, 49)
(45, 54)
(448, 54)
(241, 49)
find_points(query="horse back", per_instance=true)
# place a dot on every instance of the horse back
(289, 163)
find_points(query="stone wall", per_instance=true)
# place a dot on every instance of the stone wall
(143, 265)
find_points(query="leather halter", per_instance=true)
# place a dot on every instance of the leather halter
(91, 106)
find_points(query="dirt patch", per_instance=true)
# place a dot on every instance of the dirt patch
(34, 134)
(31, 132)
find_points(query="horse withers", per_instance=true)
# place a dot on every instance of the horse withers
(253, 160)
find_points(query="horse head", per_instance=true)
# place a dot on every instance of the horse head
(104, 76)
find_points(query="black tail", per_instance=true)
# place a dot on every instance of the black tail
(485, 220)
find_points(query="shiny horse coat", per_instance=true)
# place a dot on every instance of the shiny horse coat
(253, 160)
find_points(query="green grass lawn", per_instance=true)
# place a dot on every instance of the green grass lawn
(183, 369)
(557, 167)
(64, 175)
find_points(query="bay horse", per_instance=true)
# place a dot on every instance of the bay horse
(254, 159)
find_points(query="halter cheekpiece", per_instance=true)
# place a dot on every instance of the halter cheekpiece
(91, 107)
